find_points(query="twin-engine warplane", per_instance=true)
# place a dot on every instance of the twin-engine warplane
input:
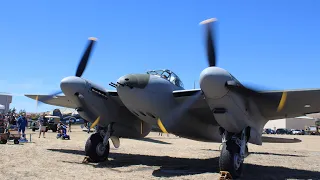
(221, 110)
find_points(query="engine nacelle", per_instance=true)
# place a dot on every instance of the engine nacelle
(213, 80)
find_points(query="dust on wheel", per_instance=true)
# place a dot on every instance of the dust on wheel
(95, 150)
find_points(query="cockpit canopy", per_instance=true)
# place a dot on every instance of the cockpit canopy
(168, 75)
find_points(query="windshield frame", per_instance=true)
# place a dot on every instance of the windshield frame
(168, 75)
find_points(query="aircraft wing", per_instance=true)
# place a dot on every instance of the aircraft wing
(297, 103)
(198, 106)
(64, 101)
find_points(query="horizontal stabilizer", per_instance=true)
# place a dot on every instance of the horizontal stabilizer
(267, 139)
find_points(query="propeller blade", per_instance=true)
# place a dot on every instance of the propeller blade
(161, 126)
(249, 92)
(239, 88)
(40, 100)
(95, 123)
(85, 57)
(210, 41)
(37, 98)
(174, 117)
(282, 101)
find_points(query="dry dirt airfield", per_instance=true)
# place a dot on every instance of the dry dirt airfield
(158, 157)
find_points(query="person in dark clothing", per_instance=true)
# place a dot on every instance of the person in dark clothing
(22, 123)
(13, 120)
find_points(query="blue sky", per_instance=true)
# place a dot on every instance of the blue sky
(273, 44)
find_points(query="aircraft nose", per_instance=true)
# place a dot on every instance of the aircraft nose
(134, 80)
(71, 85)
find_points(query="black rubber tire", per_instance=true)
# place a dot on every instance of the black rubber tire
(226, 162)
(4, 141)
(93, 141)
(54, 128)
(16, 141)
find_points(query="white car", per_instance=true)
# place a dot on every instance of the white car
(296, 132)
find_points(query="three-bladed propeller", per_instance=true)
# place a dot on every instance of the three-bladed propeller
(80, 69)
(212, 59)
(231, 85)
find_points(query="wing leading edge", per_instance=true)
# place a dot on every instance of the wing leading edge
(297, 103)
(64, 101)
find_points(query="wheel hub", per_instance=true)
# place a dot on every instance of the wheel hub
(237, 161)
(100, 149)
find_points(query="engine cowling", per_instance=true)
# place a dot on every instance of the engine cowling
(213, 80)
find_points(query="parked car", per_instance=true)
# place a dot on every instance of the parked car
(34, 125)
(296, 132)
(269, 131)
(281, 131)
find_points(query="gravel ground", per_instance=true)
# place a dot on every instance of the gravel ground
(157, 157)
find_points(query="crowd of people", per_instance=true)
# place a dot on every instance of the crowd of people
(20, 122)
(15, 121)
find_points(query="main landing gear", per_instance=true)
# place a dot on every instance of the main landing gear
(234, 150)
(98, 147)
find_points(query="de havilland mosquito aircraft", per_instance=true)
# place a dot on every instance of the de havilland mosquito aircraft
(222, 110)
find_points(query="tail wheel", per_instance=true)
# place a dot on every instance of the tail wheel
(230, 161)
(95, 149)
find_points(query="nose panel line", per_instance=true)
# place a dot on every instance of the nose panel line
(134, 80)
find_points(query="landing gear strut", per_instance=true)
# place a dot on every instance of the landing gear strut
(234, 150)
(97, 146)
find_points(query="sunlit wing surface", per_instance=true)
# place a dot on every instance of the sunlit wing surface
(64, 101)
(298, 103)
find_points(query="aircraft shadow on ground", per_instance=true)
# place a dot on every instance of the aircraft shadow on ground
(263, 153)
(152, 140)
(171, 166)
